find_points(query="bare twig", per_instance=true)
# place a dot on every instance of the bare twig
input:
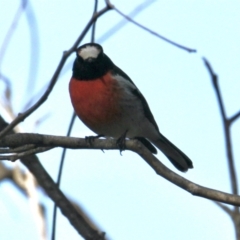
(185, 184)
(103, 38)
(226, 127)
(35, 97)
(224, 208)
(26, 182)
(16, 156)
(94, 24)
(234, 117)
(214, 78)
(60, 175)
(6, 41)
(7, 93)
(66, 54)
(234, 214)
(30, 188)
(133, 145)
(34, 47)
(5, 173)
(139, 8)
(151, 31)
(17, 149)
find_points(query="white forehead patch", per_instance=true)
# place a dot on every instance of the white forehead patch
(89, 52)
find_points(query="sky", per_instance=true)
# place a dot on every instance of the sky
(123, 194)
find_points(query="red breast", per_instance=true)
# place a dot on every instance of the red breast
(96, 101)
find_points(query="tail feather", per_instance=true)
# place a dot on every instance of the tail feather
(175, 155)
(147, 144)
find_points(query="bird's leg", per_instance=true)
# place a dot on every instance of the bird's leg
(121, 142)
(90, 139)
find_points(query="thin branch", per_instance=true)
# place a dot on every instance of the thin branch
(27, 185)
(5, 173)
(37, 213)
(15, 140)
(11, 29)
(60, 175)
(185, 184)
(101, 39)
(35, 97)
(225, 208)
(68, 134)
(151, 31)
(17, 149)
(214, 78)
(16, 156)
(139, 8)
(34, 47)
(234, 117)
(94, 24)
(7, 93)
(235, 216)
(10, 174)
(226, 127)
(66, 54)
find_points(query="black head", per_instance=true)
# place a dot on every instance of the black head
(91, 62)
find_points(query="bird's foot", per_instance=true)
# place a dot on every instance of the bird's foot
(121, 142)
(90, 139)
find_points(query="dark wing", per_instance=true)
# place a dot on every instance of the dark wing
(116, 70)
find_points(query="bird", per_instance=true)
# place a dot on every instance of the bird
(108, 102)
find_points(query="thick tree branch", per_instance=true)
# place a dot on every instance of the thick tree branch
(187, 185)
(79, 221)
(19, 139)
(16, 175)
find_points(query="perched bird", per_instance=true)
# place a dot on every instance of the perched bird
(109, 103)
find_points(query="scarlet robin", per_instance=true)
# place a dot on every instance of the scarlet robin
(110, 104)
